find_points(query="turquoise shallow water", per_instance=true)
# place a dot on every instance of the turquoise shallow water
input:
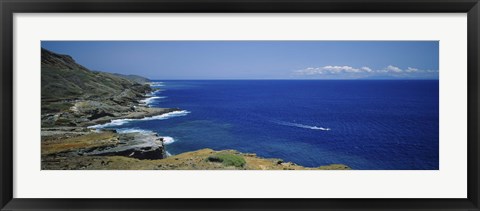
(378, 124)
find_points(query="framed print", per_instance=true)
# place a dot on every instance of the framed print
(259, 105)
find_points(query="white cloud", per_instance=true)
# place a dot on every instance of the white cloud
(392, 68)
(309, 71)
(331, 70)
(367, 69)
(411, 69)
(343, 70)
(336, 69)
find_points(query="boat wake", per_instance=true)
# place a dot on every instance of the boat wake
(292, 124)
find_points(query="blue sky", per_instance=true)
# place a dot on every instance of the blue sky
(257, 59)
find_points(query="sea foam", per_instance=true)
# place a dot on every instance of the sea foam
(153, 93)
(167, 140)
(132, 130)
(154, 84)
(150, 100)
(118, 122)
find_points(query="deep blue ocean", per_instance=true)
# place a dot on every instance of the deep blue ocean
(365, 124)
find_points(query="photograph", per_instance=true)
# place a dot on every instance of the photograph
(239, 105)
(216, 105)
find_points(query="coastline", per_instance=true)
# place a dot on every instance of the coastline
(81, 110)
(96, 144)
(91, 138)
(194, 160)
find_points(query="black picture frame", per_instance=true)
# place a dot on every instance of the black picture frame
(10, 7)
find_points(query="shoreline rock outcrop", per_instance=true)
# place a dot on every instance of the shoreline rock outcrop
(195, 160)
(75, 98)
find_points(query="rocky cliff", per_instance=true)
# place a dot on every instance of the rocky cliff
(74, 98)
(73, 95)
(64, 79)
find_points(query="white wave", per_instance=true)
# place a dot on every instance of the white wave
(167, 140)
(156, 84)
(150, 100)
(167, 115)
(132, 130)
(118, 122)
(301, 125)
(153, 93)
(168, 153)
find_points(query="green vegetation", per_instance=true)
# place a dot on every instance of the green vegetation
(136, 78)
(63, 78)
(227, 159)
(55, 107)
(65, 82)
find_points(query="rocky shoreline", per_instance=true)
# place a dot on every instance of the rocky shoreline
(82, 148)
(195, 160)
(80, 137)
(77, 101)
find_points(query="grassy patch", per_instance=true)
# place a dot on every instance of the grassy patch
(227, 159)
(87, 141)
